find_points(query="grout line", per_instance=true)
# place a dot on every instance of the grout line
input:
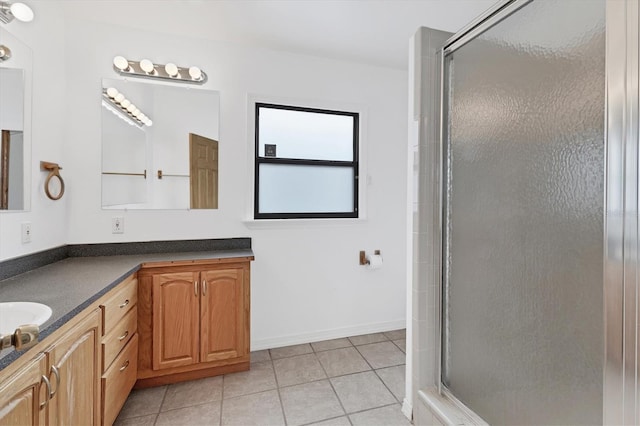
(365, 359)
(275, 375)
(222, 396)
(326, 420)
(385, 385)
(333, 389)
(164, 397)
(376, 408)
(284, 415)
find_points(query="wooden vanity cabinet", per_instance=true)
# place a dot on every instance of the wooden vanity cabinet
(119, 347)
(75, 358)
(68, 378)
(21, 396)
(193, 320)
(59, 386)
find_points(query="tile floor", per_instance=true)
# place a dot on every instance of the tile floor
(352, 381)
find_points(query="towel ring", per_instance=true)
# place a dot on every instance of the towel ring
(54, 172)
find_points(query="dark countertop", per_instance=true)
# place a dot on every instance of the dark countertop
(71, 285)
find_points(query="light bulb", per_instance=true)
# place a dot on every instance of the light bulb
(22, 12)
(121, 63)
(195, 73)
(149, 123)
(146, 65)
(119, 98)
(142, 117)
(171, 69)
(112, 92)
(125, 103)
(136, 112)
(131, 107)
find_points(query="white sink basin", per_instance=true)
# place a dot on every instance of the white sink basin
(15, 314)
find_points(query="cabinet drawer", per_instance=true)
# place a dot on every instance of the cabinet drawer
(119, 304)
(117, 338)
(118, 381)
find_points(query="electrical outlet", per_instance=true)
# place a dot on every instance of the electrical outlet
(117, 225)
(26, 232)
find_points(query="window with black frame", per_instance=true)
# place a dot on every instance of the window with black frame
(306, 163)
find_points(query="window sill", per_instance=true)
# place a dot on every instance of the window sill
(302, 223)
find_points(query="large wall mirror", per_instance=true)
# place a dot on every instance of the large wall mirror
(167, 160)
(15, 119)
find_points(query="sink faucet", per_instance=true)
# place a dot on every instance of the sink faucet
(24, 337)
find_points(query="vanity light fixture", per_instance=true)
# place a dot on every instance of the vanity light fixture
(20, 11)
(147, 69)
(116, 102)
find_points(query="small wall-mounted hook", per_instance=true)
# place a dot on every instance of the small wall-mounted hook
(54, 171)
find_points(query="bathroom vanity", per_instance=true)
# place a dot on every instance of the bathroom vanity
(149, 319)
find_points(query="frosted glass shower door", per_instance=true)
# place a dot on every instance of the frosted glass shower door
(523, 213)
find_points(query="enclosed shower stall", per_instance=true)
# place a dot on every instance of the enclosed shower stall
(533, 187)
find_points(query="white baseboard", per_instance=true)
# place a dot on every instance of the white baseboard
(317, 336)
(407, 409)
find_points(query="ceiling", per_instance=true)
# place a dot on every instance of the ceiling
(375, 32)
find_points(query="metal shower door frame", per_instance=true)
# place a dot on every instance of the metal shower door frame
(621, 231)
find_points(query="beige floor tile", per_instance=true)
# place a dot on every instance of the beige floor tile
(149, 420)
(385, 416)
(194, 392)
(339, 362)
(142, 402)
(394, 378)
(298, 369)
(260, 356)
(256, 409)
(396, 334)
(402, 344)
(205, 414)
(288, 351)
(258, 379)
(365, 339)
(338, 421)
(361, 391)
(327, 345)
(383, 354)
(310, 402)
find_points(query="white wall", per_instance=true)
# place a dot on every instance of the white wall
(44, 128)
(306, 281)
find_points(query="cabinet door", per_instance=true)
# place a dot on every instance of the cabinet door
(176, 327)
(20, 396)
(224, 314)
(76, 358)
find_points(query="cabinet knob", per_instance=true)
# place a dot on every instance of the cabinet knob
(195, 288)
(204, 287)
(126, 302)
(124, 336)
(124, 366)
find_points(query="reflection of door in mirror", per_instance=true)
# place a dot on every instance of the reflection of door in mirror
(203, 164)
(12, 156)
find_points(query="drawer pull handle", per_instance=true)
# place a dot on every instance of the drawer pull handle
(47, 396)
(124, 366)
(124, 336)
(195, 288)
(126, 302)
(204, 287)
(56, 373)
